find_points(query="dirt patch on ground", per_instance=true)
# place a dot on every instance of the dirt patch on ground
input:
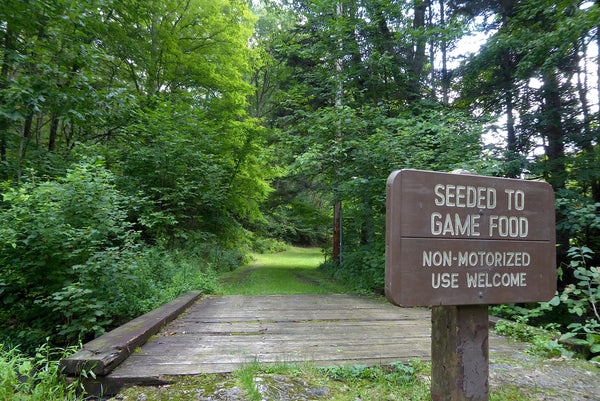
(514, 376)
(545, 379)
(241, 276)
(306, 279)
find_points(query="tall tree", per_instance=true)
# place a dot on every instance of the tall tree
(377, 50)
(532, 66)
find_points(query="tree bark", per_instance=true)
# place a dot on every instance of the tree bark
(337, 207)
(552, 130)
(432, 43)
(508, 67)
(23, 145)
(598, 43)
(444, 50)
(587, 139)
(4, 72)
(555, 173)
(417, 63)
(3, 127)
(53, 133)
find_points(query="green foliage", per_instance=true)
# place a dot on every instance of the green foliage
(293, 213)
(362, 269)
(82, 312)
(583, 297)
(583, 300)
(574, 310)
(71, 265)
(246, 376)
(581, 221)
(543, 342)
(49, 229)
(34, 378)
(396, 381)
(196, 172)
(267, 245)
(373, 142)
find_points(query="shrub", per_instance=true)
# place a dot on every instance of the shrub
(363, 268)
(48, 230)
(71, 266)
(574, 311)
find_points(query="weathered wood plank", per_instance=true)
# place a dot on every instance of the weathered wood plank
(104, 353)
(174, 365)
(206, 348)
(325, 329)
(220, 334)
(273, 329)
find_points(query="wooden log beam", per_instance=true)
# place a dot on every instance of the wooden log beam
(106, 352)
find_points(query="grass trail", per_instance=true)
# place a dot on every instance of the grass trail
(293, 271)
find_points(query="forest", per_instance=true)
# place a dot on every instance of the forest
(148, 146)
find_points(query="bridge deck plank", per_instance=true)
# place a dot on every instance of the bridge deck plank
(218, 334)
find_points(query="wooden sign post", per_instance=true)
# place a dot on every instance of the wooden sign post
(459, 243)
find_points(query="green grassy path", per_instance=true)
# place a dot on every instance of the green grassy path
(290, 272)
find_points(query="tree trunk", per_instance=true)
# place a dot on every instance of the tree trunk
(23, 145)
(598, 43)
(366, 228)
(337, 232)
(444, 50)
(3, 127)
(552, 130)
(53, 133)
(432, 44)
(4, 72)
(337, 207)
(596, 184)
(417, 63)
(511, 137)
(508, 68)
(587, 144)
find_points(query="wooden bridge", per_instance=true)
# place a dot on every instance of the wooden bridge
(193, 335)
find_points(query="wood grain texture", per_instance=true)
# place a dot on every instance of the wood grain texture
(221, 333)
(106, 352)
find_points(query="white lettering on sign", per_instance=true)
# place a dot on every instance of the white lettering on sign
(490, 280)
(454, 224)
(516, 198)
(444, 280)
(479, 280)
(475, 259)
(465, 196)
(478, 198)
(509, 226)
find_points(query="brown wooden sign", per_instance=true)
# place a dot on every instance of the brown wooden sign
(454, 239)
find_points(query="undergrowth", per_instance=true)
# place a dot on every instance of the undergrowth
(397, 381)
(36, 377)
(572, 315)
(543, 341)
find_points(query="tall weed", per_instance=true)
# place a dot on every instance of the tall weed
(34, 378)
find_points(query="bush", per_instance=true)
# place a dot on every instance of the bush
(48, 230)
(71, 266)
(362, 269)
(574, 311)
